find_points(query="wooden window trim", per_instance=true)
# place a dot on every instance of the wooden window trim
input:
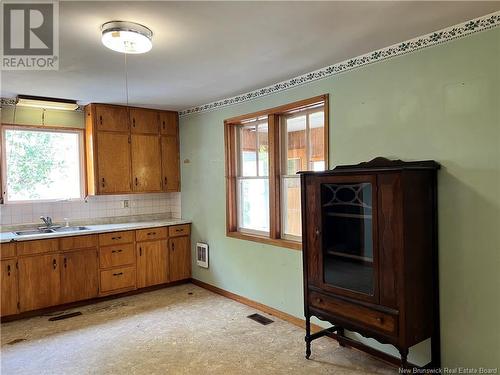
(275, 170)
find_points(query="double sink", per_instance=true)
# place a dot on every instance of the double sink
(47, 230)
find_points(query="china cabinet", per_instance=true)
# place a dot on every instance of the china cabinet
(370, 253)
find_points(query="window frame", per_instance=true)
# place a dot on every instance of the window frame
(45, 128)
(277, 170)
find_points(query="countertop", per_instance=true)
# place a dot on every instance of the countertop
(94, 228)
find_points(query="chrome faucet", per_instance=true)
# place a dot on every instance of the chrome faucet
(47, 220)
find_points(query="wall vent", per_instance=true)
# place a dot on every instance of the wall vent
(202, 254)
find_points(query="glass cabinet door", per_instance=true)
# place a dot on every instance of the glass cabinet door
(347, 236)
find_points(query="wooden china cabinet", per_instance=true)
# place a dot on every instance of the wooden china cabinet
(370, 254)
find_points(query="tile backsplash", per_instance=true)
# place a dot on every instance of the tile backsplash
(93, 207)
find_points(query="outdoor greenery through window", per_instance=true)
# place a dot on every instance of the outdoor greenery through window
(264, 152)
(42, 164)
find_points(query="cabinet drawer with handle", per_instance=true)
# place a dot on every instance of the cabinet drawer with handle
(116, 255)
(117, 278)
(150, 234)
(179, 230)
(116, 238)
(383, 322)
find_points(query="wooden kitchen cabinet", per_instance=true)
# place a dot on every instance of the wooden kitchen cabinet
(179, 258)
(111, 118)
(131, 150)
(39, 281)
(144, 120)
(170, 163)
(79, 279)
(9, 291)
(169, 123)
(113, 159)
(152, 263)
(146, 163)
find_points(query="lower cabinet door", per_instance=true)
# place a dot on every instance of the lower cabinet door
(39, 282)
(180, 258)
(79, 278)
(9, 287)
(152, 263)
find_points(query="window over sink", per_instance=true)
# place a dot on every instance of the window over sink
(42, 164)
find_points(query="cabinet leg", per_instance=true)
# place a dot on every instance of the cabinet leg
(404, 357)
(340, 333)
(308, 337)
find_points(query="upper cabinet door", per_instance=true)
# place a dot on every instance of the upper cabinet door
(111, 118)
(169, 123)
(113, 160)
(170, 163)
(143, 121)
(146, 163)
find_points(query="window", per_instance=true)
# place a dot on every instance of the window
(42, 164)
(264, 152)
(303, 149)
(253, 177)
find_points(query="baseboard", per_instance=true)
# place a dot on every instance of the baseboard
(257, 305)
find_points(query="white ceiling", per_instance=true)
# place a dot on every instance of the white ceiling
(204, 51)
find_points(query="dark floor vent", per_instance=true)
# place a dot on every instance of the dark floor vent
(65, 316)
(15, 341)
(260, 319)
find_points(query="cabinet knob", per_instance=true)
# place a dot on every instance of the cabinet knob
(136, 181)
(165, 181)
(100, 119)
(54, 264)
(151, 233)
(173, 246)
(8, 269)
(379, 319)
(317, 231)
(103, 183)
(140, 251)
(116, 238)
(319, 300)
(117, 251)
(118, 274)
(133, 122)
(65, 263)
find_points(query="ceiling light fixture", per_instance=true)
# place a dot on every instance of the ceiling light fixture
(126, 37)
(46, 103)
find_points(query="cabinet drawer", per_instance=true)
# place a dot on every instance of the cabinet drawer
(117, 278)
(116, 238)
(364, 315)
(7, 250)
(77, 242)
(37, 247)
(150, 234)
(179, 230)
(116, 255)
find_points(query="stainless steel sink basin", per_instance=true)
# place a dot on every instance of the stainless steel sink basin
(30, 232)
(69, 229)
(55, 229)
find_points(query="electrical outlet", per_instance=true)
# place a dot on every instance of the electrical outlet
(125, 203)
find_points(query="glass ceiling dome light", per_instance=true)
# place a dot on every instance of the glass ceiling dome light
(126, 37)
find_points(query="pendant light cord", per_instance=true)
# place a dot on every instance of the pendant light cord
(126, 78)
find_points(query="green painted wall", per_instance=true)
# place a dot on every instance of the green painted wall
(440, 103)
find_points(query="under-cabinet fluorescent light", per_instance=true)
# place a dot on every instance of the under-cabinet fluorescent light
(46, 103)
